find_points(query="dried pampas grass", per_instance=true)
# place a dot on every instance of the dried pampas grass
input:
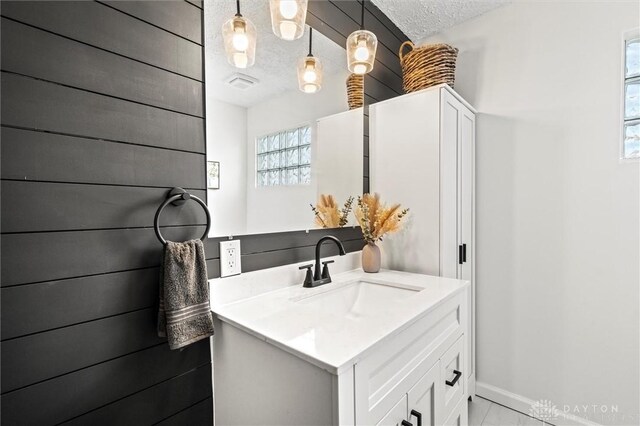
(376, 219)
(329, 215)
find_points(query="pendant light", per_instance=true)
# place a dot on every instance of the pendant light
(310, 71)
(288, 18)
(239, 36)
(361, 49)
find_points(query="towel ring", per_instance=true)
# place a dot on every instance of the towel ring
(177, 197)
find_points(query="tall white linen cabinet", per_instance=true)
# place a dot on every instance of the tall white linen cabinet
(422, 155)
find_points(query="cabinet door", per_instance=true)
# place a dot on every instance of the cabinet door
(396, 415)
(423, 398)
(459, 416)
(449, 135)
(466, 147)
(452, 377)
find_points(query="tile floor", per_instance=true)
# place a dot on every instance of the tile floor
(483, 412)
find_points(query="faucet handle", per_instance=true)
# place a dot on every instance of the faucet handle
(308, 279)
(325, 269)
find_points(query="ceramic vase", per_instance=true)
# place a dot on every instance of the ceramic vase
(371, 258)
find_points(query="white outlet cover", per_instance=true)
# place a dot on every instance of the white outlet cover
(230, 263)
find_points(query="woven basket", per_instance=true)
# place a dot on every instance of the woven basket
(355, 91)
(427, 66)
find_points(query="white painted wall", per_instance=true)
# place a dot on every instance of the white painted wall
(285, 208)
(557, 212)
(227, 143)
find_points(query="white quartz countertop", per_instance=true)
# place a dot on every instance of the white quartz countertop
(336, 324)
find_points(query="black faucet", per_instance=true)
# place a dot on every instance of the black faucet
(319, 278)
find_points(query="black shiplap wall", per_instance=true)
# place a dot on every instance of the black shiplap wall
(102, 113)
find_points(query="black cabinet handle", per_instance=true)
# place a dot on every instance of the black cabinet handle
(464, 253)
(460, 254)
(418, 415)
(458, 374)
(406, 423)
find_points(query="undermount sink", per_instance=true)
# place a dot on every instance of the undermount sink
(358, 298)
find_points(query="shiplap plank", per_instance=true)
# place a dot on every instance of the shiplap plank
(63, 255)
(39, 156)
(284, 240)
(66, 302)
(76, 393)
(41, 206)
(35, 104)
(36, 53)
(196, 3)
(176, 16)
(41, 356)
(200, 414)
(254, 262)
(103, 27)
(154, 404)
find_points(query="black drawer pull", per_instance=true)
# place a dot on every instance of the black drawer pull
(458, 374)
(464, 253)
(406, 423)
(460, 261)
(418, 416)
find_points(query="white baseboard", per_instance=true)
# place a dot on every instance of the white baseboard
(520, 403)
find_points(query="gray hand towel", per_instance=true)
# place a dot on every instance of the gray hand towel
(184, 315)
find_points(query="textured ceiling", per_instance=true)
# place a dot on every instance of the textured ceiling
(276, 59)
(419, 19)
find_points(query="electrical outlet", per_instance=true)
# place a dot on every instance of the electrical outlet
(230, 258)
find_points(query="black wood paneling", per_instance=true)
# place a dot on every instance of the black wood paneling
(198, 414)
(61, 255)
(30, 51)
(40, 356)
(106, 28)
(71, 395)
(164, 16)
(51, 157)
(96, 296)
(158, 403)
(36, 104)
(102, 113)
(38, 206)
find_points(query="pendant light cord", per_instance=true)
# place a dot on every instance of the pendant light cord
(361, 16)
(310, 40)
(238, 8)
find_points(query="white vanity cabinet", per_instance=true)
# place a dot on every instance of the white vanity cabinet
(283, 359)
(422, 151)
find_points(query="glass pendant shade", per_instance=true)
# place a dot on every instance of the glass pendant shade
(310, 74)
(239, 36)
(288, 18)
(361, 51)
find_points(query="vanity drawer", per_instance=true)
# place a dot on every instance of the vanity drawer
(388, 373)
(452, 377)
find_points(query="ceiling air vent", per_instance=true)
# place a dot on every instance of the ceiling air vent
(241, 81)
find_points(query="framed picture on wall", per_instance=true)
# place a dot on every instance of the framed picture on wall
(213, 174)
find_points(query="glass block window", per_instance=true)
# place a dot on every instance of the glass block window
(631, 129)
(284, 158)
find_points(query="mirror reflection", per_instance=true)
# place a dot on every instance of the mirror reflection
(279, 131)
